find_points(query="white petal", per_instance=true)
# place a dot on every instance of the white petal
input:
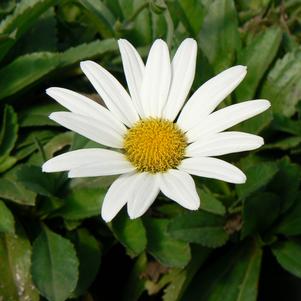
(112, 164)
(156, 80)
(83, 105)
(210, 95)
(183, 70)
(180, 187)
(213, 168)
(111, 91)
(91, 128)
(223, 143)
(77, 158)
(145, 192)
(117, 196)
(133, 67)
(227, 117)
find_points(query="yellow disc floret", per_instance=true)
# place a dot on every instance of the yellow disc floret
(155, 145)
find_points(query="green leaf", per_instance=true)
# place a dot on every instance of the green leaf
(219, 37)
(54, 266)
(26, 70)
(85, 198)
(100, 16)
(38, 115)
(16, 192)
(266, 43)
(179, 283)
(210, 203)
(286, 182)
(165, 249)
(9, 131)
(87, 50)
(30, 68)
(288, 255)
(7, 162)
(264, 171)
(24, 16)
(284, 144)
(15, 252)
(35, 180)
(7, 221)
(283, 84)
(190, 13)
(259, 213)
(89, 255)
(199, 227)
(131, 233)
(290, 223)
(231, 277)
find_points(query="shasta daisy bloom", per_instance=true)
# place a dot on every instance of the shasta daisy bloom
(157, 145)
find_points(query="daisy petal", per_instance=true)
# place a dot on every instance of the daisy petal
(81, 157)
(90, 128)
(183, 70)
(119, 193)
(156, 80)
(227, 117)
(180, 187)
(133, 67)
(112, 164)
(210, 95)
(213, 168)
(111, 91)
(145, 192)
(83, 105)
(224, 143)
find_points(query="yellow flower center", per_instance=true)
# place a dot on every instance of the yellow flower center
(155, 145)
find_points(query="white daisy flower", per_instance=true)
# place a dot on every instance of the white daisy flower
(158, 144)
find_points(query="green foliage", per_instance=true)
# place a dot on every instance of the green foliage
(54, 265)
(54, 245)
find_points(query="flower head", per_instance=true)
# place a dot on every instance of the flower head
(158, 144)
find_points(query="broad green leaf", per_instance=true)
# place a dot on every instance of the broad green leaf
(290, 224)
(288, 255)
(24, 16)
(7, 221)
(35, 180)
(259, 213)
(199, 227)
(162, 246)
(30, 68)
(135, 284)
(190, 13)
(100, 16)
(286, 182)
(286, 125)
(231, 277)
(7, 162)
(15, 252)
(283, 84)
(284, 144)
(87, 50)
(8, 132)
(16, 192)
(210, 203)
(131, 233)
(264, 171)
(179, 283)
(219, 38)
(85, 198)
(54, 266)
(26, 70)
(89, 255)
(266, 43)
(38, 115)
